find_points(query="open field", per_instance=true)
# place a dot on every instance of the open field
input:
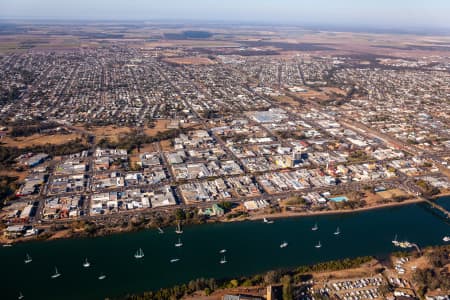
(39, 139)
(389, 194)
(189, 60)
(160, 126)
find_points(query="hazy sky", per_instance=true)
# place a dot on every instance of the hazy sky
(402, 13)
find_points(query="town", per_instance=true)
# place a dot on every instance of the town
(116, 132)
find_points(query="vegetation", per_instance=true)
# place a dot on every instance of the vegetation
(8, 154)
(427, 189)
(286, 277)
(30, 129)
(136, 139)
(436, 275)
(7, 187)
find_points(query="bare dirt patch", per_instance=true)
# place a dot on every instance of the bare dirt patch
(39, 139)
(389, 194)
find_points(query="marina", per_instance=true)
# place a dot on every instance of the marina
(250, 246)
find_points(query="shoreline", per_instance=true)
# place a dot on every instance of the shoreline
(332, 212)
(66, 234)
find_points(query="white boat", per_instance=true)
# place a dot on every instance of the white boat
(223, 260)
(446, 238)
(283, 245)
(174, 260)
(6, 245)
(315, 227)
(160, 230)
(395, 241)
(139, 254)
(179, 243)
(319, 245)
(179, 230)
(21, 296)
(101, 277)
(57, 274)
(267, 221)
(86, 264)
(337, 232)
(28, 259)
(223, 251)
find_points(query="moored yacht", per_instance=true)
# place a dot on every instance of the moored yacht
(223, 260)
(179, 230)
(86, 264)
(179, 243)
(56, 275)
(139, 254)
(28, 259)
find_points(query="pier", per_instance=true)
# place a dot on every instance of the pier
(438, 207)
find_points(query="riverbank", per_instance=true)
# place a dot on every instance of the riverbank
(290, 214)
(68, 232)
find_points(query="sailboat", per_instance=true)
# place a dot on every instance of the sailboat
(139, 254)
(337, 232)
(315, 227)
(179, 243)
(101, 277)
(174, 260)
(179, 230)
(21, 296)
(223, 260)
(319, 245)
(283, 245)
(57, 274)
(223, 251)
(86, 264)
(28, 259)
(395, 241)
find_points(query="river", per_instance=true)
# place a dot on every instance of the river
(252, 247)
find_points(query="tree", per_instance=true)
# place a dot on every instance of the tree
(272, 277)
(180, 214)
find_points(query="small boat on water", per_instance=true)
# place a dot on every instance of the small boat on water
(101, 277)
(319, 245)
(56, 275)
(139, 254)
(223, 251)
(86, 264)
(337, 232)
(283, 245)
(179, 230)
(223, 260)
(21, 296)
(28, 259)
(7, 245)
(174, 260)
(160, 230)
(179, 243)
(267, 221)
(446, 238)
(395, 241)
(315, 227)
